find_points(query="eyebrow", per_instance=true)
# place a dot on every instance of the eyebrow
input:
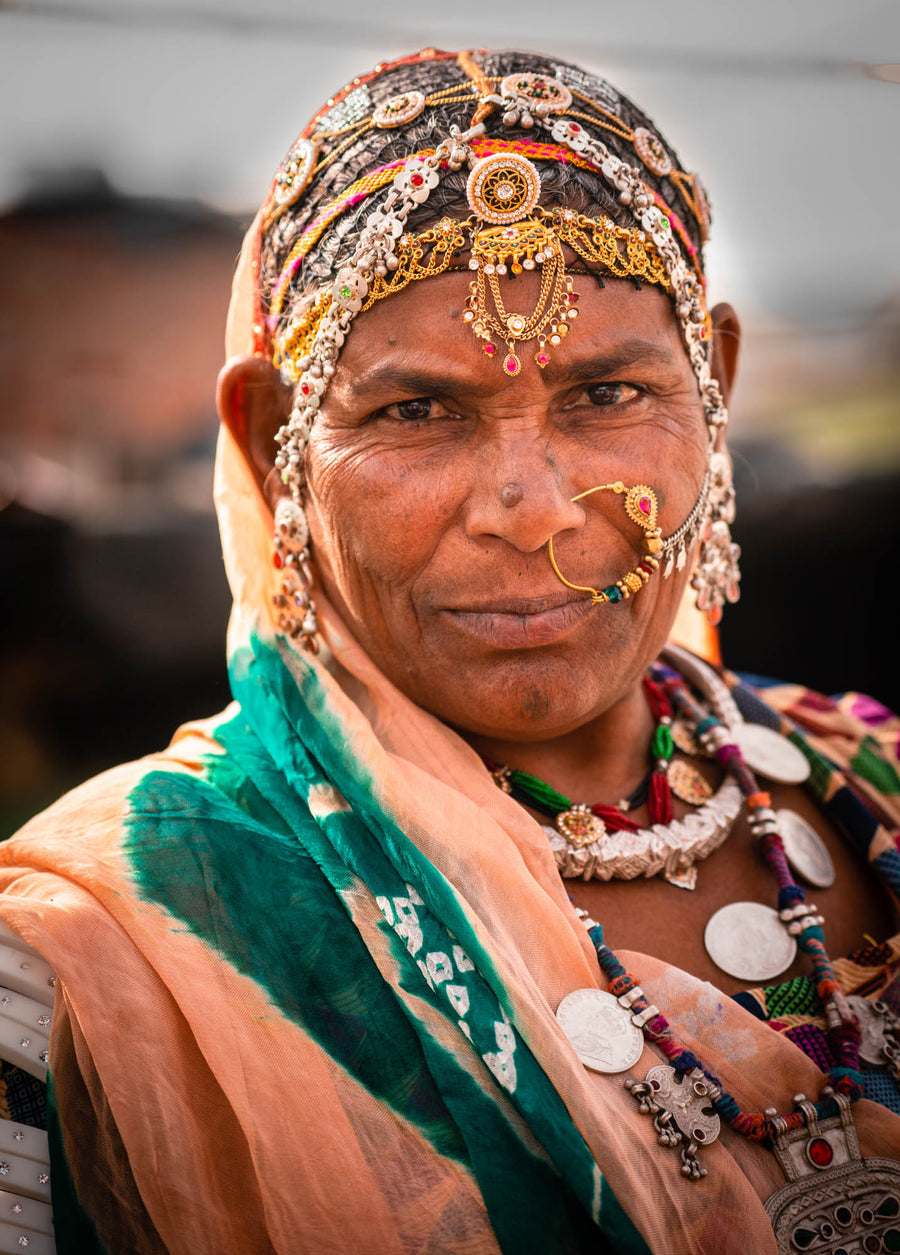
(426, 381)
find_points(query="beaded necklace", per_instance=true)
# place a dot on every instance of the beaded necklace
(580, 823)
(688, 1102)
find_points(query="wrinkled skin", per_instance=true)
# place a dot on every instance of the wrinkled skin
(435, 481)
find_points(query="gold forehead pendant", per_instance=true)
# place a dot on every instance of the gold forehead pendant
(511, 235)
(641, 508)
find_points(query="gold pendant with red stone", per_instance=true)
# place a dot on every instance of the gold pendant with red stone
(580, 826)
(687, 783)
(683, 736)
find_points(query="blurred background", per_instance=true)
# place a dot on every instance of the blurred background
(138, 138)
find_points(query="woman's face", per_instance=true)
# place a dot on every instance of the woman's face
(435, 481)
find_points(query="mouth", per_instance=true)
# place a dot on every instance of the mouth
(521, 622)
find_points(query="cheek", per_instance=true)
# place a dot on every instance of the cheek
(373, 511)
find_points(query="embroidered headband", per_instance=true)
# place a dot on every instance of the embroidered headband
(375, 251)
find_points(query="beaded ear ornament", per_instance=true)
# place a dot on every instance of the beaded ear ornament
(641, 508)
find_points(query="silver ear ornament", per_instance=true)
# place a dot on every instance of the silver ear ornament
(296, 612)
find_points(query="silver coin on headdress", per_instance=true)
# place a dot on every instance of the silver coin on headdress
(806, 851)
(769, 753)
(600, 1030)
(749, 941)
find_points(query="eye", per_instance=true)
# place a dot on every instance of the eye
(417, 408)
(611, 393)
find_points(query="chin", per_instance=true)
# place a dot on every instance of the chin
(530, 698)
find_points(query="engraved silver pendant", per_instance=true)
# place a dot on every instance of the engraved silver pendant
(835, 1201)
(769, 753)
(682, 1111)
(600, 1030)
(749, 941)
(879, 1042)
(806, 851)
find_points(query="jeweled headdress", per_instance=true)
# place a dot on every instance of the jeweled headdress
(495, 163)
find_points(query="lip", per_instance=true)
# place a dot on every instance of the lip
(520, 622)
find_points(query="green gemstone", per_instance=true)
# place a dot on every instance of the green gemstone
(662, 745)
(346, 292)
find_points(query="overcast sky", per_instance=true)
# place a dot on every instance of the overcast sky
(769, 100)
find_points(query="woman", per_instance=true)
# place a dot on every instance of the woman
(321, 985)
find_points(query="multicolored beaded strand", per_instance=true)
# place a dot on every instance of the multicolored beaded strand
(800, 919)
(755, 1126)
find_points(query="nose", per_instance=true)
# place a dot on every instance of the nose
(522, 498)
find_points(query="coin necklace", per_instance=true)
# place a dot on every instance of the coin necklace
(765, 752)
(747, 940)
(815, 1143)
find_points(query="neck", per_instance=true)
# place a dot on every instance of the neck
(601, 761)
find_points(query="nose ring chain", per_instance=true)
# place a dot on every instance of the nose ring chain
(641, 508)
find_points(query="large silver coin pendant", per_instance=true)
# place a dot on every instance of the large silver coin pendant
(806, 851)
(770, 754)
(749, 941)
(600, 1030)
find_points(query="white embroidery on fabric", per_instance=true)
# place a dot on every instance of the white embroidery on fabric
(459, 998)
(462, 960)
(439, 966)
(501, 1063)
(324, 800)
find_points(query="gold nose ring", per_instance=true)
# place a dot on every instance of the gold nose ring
(641, 507)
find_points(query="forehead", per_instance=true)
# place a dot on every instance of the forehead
(421, 329)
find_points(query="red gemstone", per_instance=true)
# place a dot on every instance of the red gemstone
(511, 365)
(643, 566)
(304, 388)
(416, 180)
(277, 560)
(820, 1152)
(490, 349)
(542, 359)
(644, 505)
(573, 126)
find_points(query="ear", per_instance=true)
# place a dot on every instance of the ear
(253, 403)
(726, 348)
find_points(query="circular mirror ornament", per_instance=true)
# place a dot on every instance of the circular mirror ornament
(399, 110)
(293, 178)
(540, 89)
(503, 188)
(652, 151)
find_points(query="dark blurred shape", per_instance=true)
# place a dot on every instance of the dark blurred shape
(819, 574)
(112, 315)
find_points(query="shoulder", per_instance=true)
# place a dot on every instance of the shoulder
(854, 732)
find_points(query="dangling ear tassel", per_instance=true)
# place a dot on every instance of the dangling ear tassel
(717, 574)
(293, 600)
